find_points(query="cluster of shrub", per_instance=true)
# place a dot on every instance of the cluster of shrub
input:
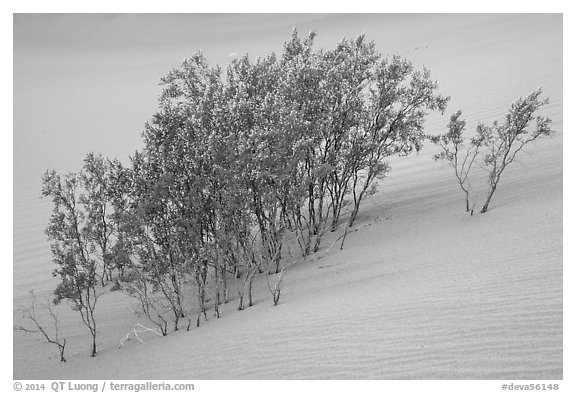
(236, 164)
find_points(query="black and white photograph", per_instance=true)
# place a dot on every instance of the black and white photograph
(288, 196)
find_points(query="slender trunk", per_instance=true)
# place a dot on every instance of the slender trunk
(311, 211)
(176, 319)
(355, 212)
(250, 293)
(240, 300)
(178, 306)
(223, 275)
(301, 243)
(278, 256)
(334, 222)
(301, 237)
(320, 220)
(466, 192)
(344, 237)
(217, 282)
(163, 326)
(217, 304)
(62, 347)
(358, 200)
(337, 210)
(201, 300)
(307, 242)
(318, 240)
(204, 311)
(299, 218)
(338, 194)
(91, 320)
(94, 342)
(490, 194)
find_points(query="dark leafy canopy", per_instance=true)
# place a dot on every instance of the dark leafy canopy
(398, 101)
(235, 163)
(354, 109)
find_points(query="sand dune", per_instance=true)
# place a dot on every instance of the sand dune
(424, 292)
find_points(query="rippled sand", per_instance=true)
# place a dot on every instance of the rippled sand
(425, 292)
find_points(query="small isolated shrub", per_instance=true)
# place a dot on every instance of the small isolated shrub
(51, 337)
(503, 141)
(459, 153)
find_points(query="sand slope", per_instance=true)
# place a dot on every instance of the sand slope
(426, 291)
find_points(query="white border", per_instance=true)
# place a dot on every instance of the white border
(421, 6)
